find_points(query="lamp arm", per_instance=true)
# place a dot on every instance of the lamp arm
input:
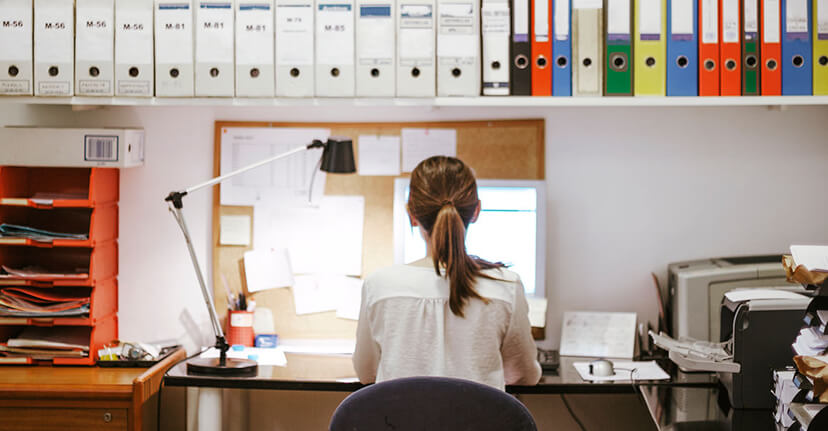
(176, 205)
(315, 144)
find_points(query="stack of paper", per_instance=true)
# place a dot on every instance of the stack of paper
(784, 391)
(811, 341)
(48, 343)
(38, 273)
(43, 302)
(812, 257)
(17, 231)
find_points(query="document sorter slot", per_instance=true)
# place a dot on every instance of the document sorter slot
(59, 266)
(97, 224)
(57, 187)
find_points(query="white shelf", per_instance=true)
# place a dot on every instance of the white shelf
(511, 101)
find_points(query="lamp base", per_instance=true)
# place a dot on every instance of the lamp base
(231, 367)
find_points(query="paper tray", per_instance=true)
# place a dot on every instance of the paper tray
(694, 355)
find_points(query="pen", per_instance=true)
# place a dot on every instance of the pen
(242, 302)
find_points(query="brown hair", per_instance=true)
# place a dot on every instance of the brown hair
(443, 199)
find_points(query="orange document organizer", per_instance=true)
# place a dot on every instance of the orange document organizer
(541, 47)
(771, 50)
(708, 47)
(731, 48)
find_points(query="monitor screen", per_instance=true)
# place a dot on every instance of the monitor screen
(510, 229)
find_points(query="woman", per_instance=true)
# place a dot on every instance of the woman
(449, 314)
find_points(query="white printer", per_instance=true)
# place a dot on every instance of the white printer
(696, 289)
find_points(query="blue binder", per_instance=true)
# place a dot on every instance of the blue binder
(797, 70)
(682, 55)
(562, 52)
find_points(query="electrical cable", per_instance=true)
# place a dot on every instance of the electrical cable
(572, 413)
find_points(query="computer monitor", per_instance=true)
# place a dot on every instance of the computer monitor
(511, 229)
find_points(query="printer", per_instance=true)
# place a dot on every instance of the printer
(696, 289)
(757, 329)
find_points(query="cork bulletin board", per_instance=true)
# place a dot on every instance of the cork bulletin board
(507, 149)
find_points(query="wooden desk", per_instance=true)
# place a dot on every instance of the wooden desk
(37, 398)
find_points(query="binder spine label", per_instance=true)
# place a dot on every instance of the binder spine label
(561, 19)
(751, 17)
(796, 25)
(456, 33)
(335, 28)
(254, 34)
(133, 36)
(16, 34)
(416, 35)
(710, 21)
(770, 21)
(521, 21)
(681, 20)
(822, 19)
(215, 29)
(55, 33)
(649, 25)
(541, 21)
(94, 34)
(730, 21)
(174, 33)
(375, 24)
(618, 20)
(294, 41)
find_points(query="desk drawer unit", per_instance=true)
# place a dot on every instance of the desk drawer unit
(66, 419)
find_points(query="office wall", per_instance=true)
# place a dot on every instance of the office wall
(630, 189)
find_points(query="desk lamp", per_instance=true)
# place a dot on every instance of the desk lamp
(338, 158)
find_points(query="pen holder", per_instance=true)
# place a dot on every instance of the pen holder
(240, 328)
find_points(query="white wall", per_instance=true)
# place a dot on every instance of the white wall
(630, 189)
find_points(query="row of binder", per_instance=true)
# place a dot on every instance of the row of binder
(414, 48)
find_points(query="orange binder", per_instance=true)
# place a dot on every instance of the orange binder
(541, 47)
(708, 47)
(771, 51)
(731, 48)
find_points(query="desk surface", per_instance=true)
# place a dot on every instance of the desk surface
(336, 373)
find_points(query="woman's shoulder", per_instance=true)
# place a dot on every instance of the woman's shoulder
(499, 283)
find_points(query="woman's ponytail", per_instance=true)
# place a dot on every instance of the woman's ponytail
(448, 242)
(443, 199)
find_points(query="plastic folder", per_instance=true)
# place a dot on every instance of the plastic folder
(730, 48)
(750, 48)
(682, 48)
(541, 47)
(708, 47)
(650, 48)
(821, 47)
(618, 18)
(562, 48)
(797, 71)
(771, 77)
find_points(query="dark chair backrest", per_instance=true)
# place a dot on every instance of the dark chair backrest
(432, 404)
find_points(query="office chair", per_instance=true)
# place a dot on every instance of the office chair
(432, 404)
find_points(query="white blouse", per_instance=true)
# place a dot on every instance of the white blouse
(406, 328)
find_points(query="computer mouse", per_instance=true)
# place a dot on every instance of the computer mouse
(601, 368)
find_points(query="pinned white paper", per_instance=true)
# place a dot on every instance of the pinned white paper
(325, 238)
(420, 144)
(350, 298)
(234, 230)
(314, 294)
(379, 155)
(286, 181)
(267, 269)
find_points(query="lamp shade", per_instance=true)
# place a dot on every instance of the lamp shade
(338, 156)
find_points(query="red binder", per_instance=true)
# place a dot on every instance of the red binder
(731, 48)
(771, 51)
(541, 38)
(708, 48)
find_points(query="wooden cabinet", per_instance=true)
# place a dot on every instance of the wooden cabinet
(35, 398)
